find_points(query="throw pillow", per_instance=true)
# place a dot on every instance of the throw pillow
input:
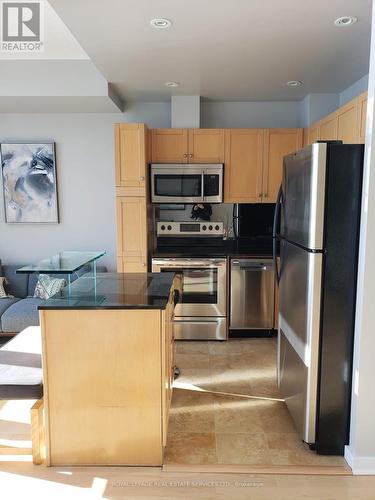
(48, 286)
(3, 294)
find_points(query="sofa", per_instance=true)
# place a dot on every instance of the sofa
(19, 312)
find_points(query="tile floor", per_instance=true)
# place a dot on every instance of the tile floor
(226, 408)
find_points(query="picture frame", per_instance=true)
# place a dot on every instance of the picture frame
(29, 182)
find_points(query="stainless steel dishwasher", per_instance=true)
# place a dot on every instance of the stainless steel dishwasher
(252, 294)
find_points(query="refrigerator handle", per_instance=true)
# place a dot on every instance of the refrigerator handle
(275, 236)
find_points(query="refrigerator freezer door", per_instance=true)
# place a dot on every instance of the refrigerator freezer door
(302, 210)
(298, 342)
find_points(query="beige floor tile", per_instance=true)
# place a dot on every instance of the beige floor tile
(236, 415)
(191, 347)
(282, 441)
(188, 360)
(191, 448)
(191, 412)
(236, 448)
(193, 378)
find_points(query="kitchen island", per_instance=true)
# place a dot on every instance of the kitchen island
(108, 369)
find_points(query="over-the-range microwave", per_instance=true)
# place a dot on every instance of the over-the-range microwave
(182, 183)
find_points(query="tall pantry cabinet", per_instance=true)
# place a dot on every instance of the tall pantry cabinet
(132, 201)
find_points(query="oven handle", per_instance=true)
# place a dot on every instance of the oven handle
(209, 322)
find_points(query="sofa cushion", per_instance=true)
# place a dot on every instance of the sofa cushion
(20, 315)
(4, 304)
(16, 283)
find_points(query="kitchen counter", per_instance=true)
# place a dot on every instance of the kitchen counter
(114, 291)
(108, 370)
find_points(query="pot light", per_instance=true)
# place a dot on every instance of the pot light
(294, 83)
(161, 23)
(345, 21)
(172, 84)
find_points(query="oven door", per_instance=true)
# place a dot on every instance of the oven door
(176, 184)
(202, 285)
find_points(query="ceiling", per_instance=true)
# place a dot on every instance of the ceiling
(222, 49)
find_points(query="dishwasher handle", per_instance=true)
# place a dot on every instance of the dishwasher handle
(252, 266)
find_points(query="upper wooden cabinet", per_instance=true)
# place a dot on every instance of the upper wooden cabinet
(243, 165)
(362, 104)
(169, 145)
(131, 154)
(348, 123)
(187, 145)
(206, 145)
(278, 143)
(328, 128)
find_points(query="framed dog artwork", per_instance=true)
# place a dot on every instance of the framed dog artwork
(29, 183)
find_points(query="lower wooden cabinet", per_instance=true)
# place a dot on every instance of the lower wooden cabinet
(167, 362)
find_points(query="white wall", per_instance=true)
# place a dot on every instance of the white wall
(361, 450)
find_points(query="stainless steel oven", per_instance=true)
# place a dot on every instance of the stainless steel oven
(181, 183)
(201, 310)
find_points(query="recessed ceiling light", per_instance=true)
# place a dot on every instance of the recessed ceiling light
(172, 84)
(161, 23)
(345, 21)
(294, 83)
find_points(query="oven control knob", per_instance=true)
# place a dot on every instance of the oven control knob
(204, 228)
(217, 228)
(162, 227)
(169, 228)
(210, 228)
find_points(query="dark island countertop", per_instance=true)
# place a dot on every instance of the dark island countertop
(114, 291)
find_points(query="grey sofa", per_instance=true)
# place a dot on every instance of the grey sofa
(19, 312)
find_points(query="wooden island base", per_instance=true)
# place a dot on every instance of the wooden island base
(107, 385)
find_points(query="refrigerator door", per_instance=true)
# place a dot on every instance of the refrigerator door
(298, 341)
(303, 196)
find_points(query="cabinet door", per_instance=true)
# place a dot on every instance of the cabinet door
(167, 364)
(132, 264)
(169, 145)
(313, 134)
(277, 144)
(132, 228)
(328, 128)
(130, 154)
(348, 123)
(206, 146)
(362, 104)
(243, 165)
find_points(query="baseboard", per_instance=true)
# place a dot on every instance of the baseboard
(360, 465)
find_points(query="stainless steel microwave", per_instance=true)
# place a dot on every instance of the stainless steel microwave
(182, 183)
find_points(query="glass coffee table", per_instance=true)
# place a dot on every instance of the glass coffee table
(67, 264)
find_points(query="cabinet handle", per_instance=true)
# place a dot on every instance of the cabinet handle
(190, 155)
(185, 155)
(142, 178)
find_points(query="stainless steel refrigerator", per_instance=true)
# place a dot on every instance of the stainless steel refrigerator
(316, 235)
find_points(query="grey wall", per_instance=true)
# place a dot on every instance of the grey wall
(250, 114)
(357, 88)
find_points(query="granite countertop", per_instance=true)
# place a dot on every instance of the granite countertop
(114, 291)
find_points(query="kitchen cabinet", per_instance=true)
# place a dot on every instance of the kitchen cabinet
(169, 145)
(278, 143)
(131, 155)
(348, 122)
(328, 128)
(243, 165)
(206, 146)
(132, 234)
(187, 146)
(312, 134)
(111, 406)
(362, 104)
